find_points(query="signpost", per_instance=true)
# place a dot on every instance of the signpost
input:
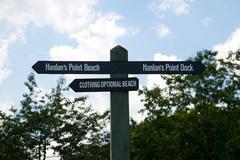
(119, 110)
(119, 84)
(104, 85)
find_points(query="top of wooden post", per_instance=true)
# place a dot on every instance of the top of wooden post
(118, 53)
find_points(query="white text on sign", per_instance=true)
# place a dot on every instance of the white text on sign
(72, 67)
(168, 67)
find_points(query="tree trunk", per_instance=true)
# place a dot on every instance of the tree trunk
(44, 150)
(39, 151)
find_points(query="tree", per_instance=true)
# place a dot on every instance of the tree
(53, 121)
(195, 117)
(12, 146)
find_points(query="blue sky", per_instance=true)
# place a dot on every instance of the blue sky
(32, 30)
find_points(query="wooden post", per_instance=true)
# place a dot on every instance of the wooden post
(119, 142)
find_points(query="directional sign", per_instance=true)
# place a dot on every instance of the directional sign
(118, 67)
(101, 85)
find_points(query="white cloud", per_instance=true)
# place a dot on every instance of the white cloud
(133, 30)
(8, 36)
(4, 45)
(100, 101)
(60, 14)
(179, 7)
(94, 41)
(4, 72)
(206, 22)
(231, 44)
(5, 106)
(135, 105)
(78, 19)
(157, 79)
(163, 31)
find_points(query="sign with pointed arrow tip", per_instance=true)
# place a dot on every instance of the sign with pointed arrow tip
(104, 85)
(118, 67)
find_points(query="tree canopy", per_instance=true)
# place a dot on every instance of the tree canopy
(195, 116)
(46, 121)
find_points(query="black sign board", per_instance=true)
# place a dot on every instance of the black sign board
(103, 85)
(118, 67)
